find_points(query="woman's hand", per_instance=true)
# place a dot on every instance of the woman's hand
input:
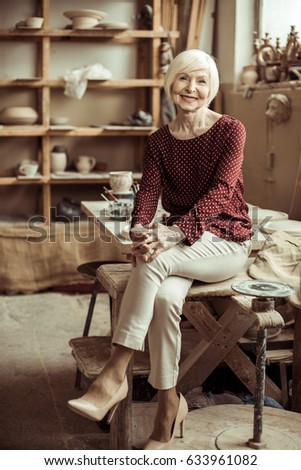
(150, 241)
(139, 235)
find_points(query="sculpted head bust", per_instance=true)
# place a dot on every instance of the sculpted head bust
(278, 108)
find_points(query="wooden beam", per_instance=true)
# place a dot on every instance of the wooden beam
(195, 23)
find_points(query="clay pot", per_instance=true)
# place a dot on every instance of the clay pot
(249, 75)
(18, 115)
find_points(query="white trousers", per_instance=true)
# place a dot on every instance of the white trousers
(154, 296)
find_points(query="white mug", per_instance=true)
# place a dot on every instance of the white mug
(28, 168)
(121, 181)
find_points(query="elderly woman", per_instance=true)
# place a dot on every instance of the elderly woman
(195, 164)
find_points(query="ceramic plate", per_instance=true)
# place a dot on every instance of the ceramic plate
(127, 128)
(31, 79)
(61, 127)
(34, 177)
(29, 27)
(258, 214)
(292, 227)
(260, 288)
(85, 12)
(116, 25)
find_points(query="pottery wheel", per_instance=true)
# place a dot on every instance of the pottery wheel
(260, 288)
(223, 426)
(236, 438)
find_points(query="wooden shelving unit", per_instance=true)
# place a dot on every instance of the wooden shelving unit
(147, 89)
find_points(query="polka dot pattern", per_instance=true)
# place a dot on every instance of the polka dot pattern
(200, 181)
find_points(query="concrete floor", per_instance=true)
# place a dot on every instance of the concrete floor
(38, 371)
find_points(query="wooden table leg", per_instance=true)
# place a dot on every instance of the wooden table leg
(218, 342)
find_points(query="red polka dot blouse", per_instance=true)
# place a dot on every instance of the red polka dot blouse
(200, 181)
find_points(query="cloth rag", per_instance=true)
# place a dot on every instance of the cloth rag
(280, 260)
(76, 80)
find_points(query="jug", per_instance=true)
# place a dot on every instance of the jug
(84, 164)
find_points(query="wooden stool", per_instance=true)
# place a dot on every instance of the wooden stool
(89, 270)
(284, 358)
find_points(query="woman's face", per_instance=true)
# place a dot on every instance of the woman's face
(191, 90)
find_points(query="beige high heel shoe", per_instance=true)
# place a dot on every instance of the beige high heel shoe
(179, 420)
(85, 408)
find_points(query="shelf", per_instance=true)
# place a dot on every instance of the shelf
(32, 131)
(92, 178)
(99, 131)
(22, 131)
(60, 83)
(14, 180)
(102, 178)
(61, 34)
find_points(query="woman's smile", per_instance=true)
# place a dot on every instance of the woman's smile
(191, 88)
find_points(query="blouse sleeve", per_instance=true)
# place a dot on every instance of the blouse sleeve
(215, 201)
(146, 200)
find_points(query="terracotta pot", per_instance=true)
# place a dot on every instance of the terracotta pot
(249, 75)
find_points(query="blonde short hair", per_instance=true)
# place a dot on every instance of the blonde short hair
(188, 61)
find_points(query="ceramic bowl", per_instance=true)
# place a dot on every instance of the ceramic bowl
(84, 22)
(16, 115)
(34, 22)
(59, 120)
(84, 12)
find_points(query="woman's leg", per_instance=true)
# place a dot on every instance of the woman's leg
(168, 402)
(164, 336)
(111, 377)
